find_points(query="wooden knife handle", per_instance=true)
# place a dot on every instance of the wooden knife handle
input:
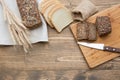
(112, 49)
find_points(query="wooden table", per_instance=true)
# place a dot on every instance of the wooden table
(59, 59)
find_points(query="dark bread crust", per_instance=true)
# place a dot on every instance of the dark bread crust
(29, 13)
(103, 24)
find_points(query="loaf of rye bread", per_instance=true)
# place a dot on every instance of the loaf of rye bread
(29, 13)
(103, 25)
(86, 31)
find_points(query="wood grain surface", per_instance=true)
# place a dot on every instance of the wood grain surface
(59, 59)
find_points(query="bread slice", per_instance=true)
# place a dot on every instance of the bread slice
(82, 31)
(49, 4)
(48, 11)
(60, 18)
(46, 8)
(46, 3)
(55, 14)
(46, 15)
(52, 12)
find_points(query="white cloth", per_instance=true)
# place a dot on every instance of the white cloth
(37, 35)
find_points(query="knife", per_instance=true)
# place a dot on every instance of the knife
(100, 47)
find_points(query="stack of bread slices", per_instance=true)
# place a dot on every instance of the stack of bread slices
(55, 14)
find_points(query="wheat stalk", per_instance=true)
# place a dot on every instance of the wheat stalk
(18, 31)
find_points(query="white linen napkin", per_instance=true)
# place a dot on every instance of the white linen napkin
(37, 35)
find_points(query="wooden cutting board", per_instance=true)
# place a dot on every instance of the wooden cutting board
(96, 57)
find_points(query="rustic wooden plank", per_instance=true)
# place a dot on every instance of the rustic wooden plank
(65, 33)
(49, 55)
(46, 60)
(112, 65)
(98, 75)
(60, 59)
(46, 57)
(13, 74)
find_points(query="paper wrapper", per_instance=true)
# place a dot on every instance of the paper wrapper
(36, 35)
(84, 10)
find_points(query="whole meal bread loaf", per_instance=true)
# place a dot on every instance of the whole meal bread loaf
(103, 24)
(29, 13)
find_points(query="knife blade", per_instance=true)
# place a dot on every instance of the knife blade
(100, 47)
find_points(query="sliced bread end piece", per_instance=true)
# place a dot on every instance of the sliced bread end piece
(61, 19)
(49, 11)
